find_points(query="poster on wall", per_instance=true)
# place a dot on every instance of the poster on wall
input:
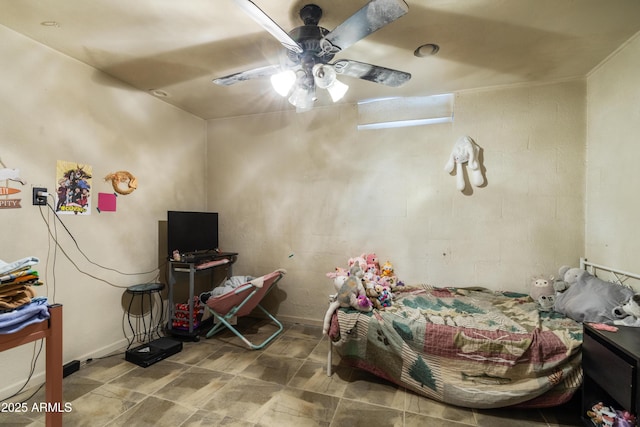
(73, 193)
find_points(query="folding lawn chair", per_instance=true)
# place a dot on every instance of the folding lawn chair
(240, 302)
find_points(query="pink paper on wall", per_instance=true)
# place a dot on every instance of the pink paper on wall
(106, 202)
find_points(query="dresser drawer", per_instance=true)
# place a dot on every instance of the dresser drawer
(610, 371)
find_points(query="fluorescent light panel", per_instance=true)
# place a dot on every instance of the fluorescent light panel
(408, 111)
(405, 123)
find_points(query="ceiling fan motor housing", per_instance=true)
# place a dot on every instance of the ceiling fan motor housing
(309, 37)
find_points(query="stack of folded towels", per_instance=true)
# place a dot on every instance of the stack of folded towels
(19, 305)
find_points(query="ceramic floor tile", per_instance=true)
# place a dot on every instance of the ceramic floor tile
(105, 369)
(18, 419)
(509, 418)
(229, 359)
(424, 406)
(358, 414)
(297, 408)
(194, 387)
(242, 398)
(101, 406)
(72, 388)
(417, 420)
(321, 353)
(275, 369)
(312, 376)
(145, 380)
(205, 418)
(365, 387)
(303, 331)
(194, 352)
(153, 412)
(292, 347)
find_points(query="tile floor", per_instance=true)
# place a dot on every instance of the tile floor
(218, 382)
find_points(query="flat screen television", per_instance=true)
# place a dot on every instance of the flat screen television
(190, 232)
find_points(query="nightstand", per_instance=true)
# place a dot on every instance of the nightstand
(610, 362)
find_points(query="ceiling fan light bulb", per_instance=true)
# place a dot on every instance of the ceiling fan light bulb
(324, 75)
(283, 82)
(337, 90)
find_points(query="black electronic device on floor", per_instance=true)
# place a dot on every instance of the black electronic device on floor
(147, 354)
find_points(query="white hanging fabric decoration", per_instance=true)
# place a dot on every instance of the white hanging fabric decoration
(465, 150)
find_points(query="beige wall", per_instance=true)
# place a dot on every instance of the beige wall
(55, 108)
(613, 153)
(313, 186)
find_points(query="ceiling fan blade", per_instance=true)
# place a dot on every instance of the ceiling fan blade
(268, 24)
(373, 16)
(256, 73)
(372, 73)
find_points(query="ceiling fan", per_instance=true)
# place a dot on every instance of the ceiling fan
(309, 48)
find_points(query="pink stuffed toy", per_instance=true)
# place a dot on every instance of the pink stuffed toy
(373, 264)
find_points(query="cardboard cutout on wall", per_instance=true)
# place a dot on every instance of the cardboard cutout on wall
(9, 175)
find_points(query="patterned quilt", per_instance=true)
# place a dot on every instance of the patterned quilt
(469, 347)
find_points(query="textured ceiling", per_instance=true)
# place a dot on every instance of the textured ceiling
(179, 46)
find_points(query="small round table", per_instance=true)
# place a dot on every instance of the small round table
(149, 289)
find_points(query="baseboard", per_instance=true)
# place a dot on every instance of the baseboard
(300, 320)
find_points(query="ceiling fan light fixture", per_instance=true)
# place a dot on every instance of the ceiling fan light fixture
(324, 75)
(302, 98)
(325, 78)
(283, 82)
(337, 90)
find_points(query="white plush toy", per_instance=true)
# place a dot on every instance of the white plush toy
(465, 150)
(629, 313)
(350, 293)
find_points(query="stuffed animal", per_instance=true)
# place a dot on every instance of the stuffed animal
(373, 295)
(369, 280)
(465, 150)
(363, 301)
(567, 277)
(349, 289)
(373, 264)
(339, 271)
(542, 292)
(628, 314)
(389, 282)
(362, 262)
(384, 295)
(601, 415)
(387, 269)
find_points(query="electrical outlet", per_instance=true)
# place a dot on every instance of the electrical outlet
(39, 200)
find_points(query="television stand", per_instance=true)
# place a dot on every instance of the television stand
(214, 263)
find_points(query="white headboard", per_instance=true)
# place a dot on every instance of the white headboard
(612, 274)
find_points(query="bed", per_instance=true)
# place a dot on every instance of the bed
(470, 347)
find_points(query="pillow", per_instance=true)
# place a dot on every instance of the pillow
(591, 299)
